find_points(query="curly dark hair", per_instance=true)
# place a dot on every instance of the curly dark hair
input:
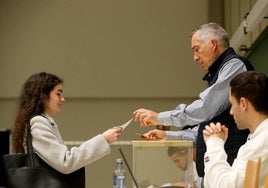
(34, 93)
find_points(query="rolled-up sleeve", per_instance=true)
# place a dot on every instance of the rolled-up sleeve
(212, 101)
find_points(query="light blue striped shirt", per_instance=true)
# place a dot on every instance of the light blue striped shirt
(212, 101)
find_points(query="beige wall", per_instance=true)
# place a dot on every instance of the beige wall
(102, 48)
(115, 56)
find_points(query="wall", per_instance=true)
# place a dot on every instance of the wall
(115, 56)
(256, 41)
(258, 54)
(111, 47)
(235, 12)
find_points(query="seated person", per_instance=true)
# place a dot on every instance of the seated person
(249, 99)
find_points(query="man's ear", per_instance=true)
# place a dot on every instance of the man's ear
(214, 44)
(243, 103)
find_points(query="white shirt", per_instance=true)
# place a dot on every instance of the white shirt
(218, 173)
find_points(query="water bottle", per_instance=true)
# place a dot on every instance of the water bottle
(119, 175)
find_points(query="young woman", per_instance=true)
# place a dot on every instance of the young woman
(41, 98)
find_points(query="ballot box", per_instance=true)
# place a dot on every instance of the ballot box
(163, 163)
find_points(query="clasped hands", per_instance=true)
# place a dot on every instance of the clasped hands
(215, 130)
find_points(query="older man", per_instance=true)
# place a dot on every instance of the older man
(210, 44)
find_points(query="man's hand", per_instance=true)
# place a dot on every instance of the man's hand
(146, 117)
(154, 135)
(215, 130)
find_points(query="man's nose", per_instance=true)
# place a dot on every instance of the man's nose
(196, 57)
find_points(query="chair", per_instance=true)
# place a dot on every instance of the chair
(252, 174)
(266, 181)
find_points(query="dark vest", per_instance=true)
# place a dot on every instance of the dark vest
(236, 137)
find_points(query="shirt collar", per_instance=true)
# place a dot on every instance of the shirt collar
(214, 67)
(262, 126)
(50, 119)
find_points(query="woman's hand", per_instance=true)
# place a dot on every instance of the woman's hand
(112, 135)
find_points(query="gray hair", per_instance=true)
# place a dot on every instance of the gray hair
(212, 31)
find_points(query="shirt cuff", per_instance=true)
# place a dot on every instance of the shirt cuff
(214, 143)
(164, 118)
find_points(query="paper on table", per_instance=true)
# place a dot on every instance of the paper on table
(125, 124)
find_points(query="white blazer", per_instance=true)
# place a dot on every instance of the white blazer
(48, 144)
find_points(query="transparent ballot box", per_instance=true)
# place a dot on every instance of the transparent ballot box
(163, 163)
